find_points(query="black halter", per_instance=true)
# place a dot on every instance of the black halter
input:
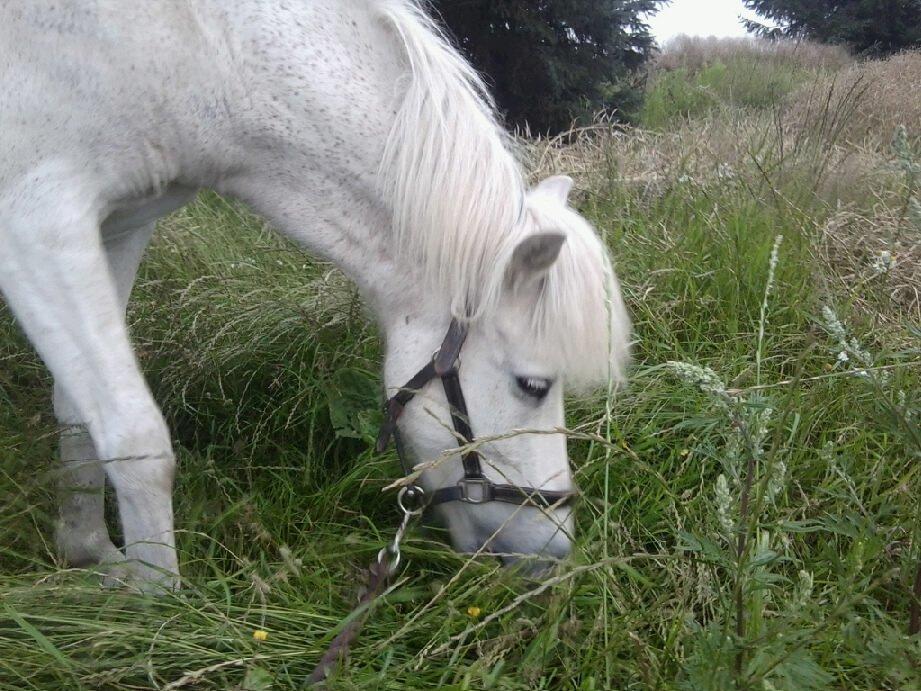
(474, 487)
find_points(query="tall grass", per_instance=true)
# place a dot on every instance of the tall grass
(889, 99)
(751, 514)
(692, 77)
(695, 52)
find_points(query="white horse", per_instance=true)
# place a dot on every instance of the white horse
(356, 130)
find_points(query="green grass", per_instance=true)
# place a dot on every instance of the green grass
(741, 81)
(267, 369)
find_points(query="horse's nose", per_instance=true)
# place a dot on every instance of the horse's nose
(542, 562)
(558, 548)
(536, 567)
(531, 567)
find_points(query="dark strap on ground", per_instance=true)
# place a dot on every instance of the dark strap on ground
(340, 646)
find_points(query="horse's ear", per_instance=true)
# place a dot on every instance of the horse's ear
(557, 186)
(533, 257)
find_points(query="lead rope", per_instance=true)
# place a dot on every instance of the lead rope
(381, 571)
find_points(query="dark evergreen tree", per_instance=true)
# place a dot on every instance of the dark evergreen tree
(549, 61)
(867, 27)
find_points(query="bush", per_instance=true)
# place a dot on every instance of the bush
(676, 94)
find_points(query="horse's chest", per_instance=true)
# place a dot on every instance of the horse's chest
(133, 213)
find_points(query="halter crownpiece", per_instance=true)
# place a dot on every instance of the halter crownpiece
(474, 487)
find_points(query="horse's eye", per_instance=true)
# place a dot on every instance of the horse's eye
(534, 386)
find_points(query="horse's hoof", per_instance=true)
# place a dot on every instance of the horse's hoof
(139, 578)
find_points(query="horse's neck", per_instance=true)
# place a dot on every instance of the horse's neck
(325, 76)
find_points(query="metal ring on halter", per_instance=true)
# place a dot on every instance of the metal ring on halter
(412, 493)
(392, 566)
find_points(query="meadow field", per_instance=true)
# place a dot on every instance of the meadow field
(751, 515)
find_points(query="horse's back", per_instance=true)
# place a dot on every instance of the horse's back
(92, 83)
(53, 51)
(145, 94)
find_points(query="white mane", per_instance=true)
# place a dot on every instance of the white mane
(460, 205)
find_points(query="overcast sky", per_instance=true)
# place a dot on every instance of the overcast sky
(700, 18)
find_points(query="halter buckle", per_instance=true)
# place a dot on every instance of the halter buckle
(475, 490)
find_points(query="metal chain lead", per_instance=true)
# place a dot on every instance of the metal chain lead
(380, 574)
(416, 496)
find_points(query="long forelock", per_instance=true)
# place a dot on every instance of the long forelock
(578, 318)
(459, 204)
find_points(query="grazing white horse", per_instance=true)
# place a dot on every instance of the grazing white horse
(356, 130)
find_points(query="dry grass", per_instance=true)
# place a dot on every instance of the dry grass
(886, 93)
(876, 256)
(646, 161)
(876, 95)
(695, 52)
(854, 199)
(825, 157)
(759, 150)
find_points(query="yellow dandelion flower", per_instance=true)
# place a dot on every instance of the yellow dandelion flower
(260, 635)
(473, 611)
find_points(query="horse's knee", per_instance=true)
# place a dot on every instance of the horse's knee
(138, 456)
(150, 474)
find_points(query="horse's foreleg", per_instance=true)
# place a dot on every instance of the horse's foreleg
(82, 536)
(57, 278)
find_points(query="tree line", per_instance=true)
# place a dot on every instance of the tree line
(550, 62)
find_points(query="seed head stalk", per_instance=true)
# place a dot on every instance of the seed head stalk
(768, 287)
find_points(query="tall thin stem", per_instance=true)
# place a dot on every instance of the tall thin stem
(768, 286)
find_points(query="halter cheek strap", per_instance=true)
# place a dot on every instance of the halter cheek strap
(474, 487)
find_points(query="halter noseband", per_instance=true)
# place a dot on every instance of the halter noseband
(474, 487)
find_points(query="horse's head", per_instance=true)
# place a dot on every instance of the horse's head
(553, 320)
